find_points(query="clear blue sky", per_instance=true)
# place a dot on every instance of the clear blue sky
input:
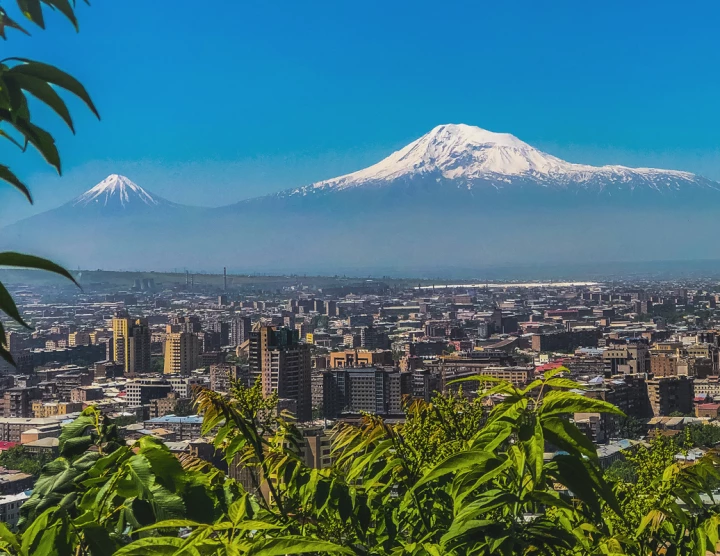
(210, 103)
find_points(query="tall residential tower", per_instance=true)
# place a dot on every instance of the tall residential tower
(282, 364)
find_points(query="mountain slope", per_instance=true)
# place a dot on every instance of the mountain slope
(459, 196)
(471, 157)
(119, 192)
(114, 224)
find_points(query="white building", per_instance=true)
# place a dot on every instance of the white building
(10, 508)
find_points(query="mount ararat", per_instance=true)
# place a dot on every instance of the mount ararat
(458, 197)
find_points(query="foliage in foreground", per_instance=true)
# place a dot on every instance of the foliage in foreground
(21, 80)
(458, 478)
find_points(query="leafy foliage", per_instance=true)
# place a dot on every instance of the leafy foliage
(21, 79)
(458, 477)
(704, 436)
(19, 458)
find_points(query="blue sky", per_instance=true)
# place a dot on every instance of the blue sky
(210, 106)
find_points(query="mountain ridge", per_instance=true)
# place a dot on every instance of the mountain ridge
(457, 194)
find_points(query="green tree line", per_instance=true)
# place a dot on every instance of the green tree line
(458, 477)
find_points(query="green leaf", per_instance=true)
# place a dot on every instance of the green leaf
(51, 74)
(99, 540)
(7, 175)
(530, 387)
(454, 463)
(472, 481)
(167, 505)
(7, 21)
(141, 476)
(560, 403)
(8, 306)
(535, 448)
(169, 524)
(556, 371)
(76, 446)
(64, 7)
(20, 260)
(9, 537)
(282, 546)
(566, 436)
(151, 545)
(562, 383)
(33, 11)
(34, 536)
(44, 93)
(41, 140)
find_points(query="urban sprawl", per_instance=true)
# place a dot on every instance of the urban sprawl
(336, 351)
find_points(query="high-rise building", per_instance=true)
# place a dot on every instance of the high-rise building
(222, 375)
(239, 330)
(365, 389)
(282, 364)
(185, 324)
(223, 328)
(669, 394)
(182, 353)
(79, 338)
(331, 309)
(131, 343)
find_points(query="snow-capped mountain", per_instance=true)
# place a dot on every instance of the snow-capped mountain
(458, 196)
(469, 157)
(117, 191)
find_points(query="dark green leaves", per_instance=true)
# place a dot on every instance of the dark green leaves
(54, 76)
(20, 260)
(7, 305)
(295, 545)
(32, 10)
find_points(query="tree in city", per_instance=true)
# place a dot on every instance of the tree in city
(486, 488)
(21, 79)
(184, 407)
(157, 364)
(704, 435)
(18, 458)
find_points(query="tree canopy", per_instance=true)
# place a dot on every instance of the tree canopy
(458, 477)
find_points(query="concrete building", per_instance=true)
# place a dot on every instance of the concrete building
(360, 357)
(142, 390)
(42, 409)
(222, 374)
(131, 343)
(365, 389)
(185, 428)
(631, 357)
(17, 402)
(240, 328)
(182, 353)
(183, 385)
(670, 394)
(12, 428)
(10, 508)
(283, 366)
(565, 341)
(164, 406)
(79, 338)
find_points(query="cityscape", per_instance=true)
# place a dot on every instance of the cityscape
(336, 349)
(359, 279)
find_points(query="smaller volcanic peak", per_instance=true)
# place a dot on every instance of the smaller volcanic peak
(117, 191)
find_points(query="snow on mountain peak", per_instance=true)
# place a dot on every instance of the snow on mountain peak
(116, 190)
(473, 155)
